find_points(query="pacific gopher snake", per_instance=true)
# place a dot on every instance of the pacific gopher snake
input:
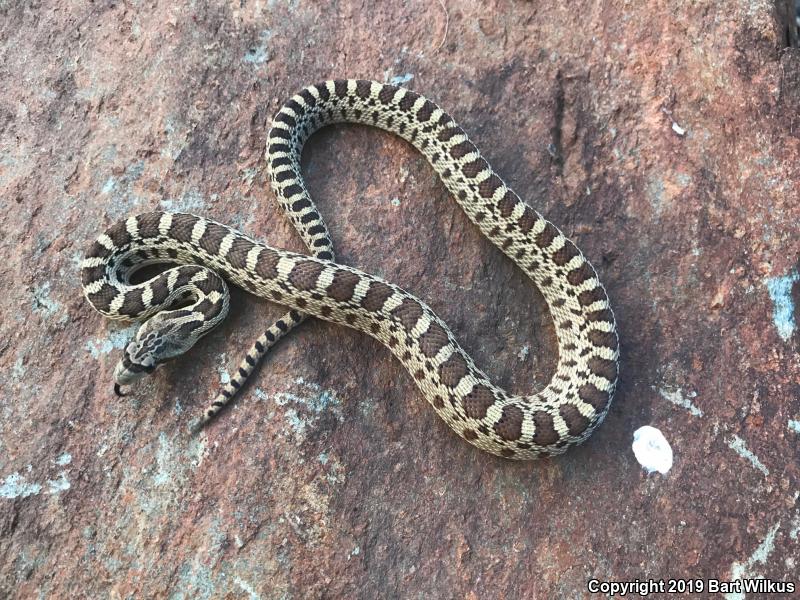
(185, 302)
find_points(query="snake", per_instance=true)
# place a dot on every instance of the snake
(189, 297)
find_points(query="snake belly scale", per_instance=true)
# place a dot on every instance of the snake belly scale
(183, 303)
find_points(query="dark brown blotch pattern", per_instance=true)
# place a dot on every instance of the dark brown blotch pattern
(343, 285)
(377, 294)
(408, 101)
(181, 228)
(509, 427)
(462, 149)
(565, 254)
(340, 87)
(308, 97)
(606, 339)
(546, 236)
(387, 94)
(603, 314)
(588, 297)
(119, 234)
(90, 274)
(160, 288)
(362, 89)
(267, 263)
(603, 367)
(453, 370)
(545, 432)
(212, 237)
(478, 401)
(528, 219)
(580, 274)
(133, 304)
(576, 422)
(102, 298)
(98, 251)
(408, 313)
(507, 204)
(425, 111)
(185, 274)
(433, 340)
(488, 186)
(304, 274)
(447, 133)
(148, 225)
(283, 117)
(237, 255)
(589, 393)
(471, 169)
(209, 284)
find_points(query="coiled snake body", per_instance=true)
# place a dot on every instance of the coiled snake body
(185, 302)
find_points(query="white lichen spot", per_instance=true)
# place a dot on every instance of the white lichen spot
(675, 127)
(780, 292)
(312, 399)
(401, 79)
(224, 376)
(354, 552)
(652, 449)
(109, 186)
(296, 422)
(656, 192)
(248, 589)
(395, 201)
(257, 55)
(116, 340)
(403, 174)
(524, 352)
(18, 370)
(190, 201)
(171, 464)
(163, 459)
(334, 472)
(64, 459)
(54, 486)
(738, 445)
(794, 425)
(44, 304)
(746, 569)
(684, 401)
(794, 532)
(16, 486)
(249, 174)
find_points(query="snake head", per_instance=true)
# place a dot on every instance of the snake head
(164, 336)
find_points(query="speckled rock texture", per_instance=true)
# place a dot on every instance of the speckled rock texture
(661, 136)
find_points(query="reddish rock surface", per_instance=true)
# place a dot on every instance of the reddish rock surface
(661, 136)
